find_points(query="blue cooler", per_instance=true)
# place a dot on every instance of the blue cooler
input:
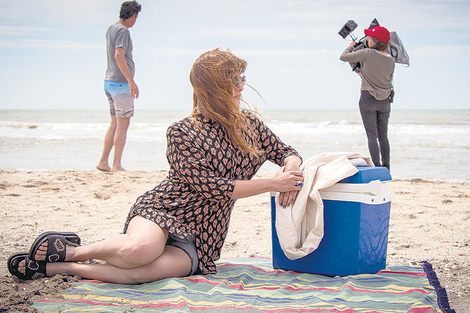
(356, 219)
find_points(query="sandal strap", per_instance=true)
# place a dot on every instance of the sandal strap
(33, 269)
(57, 248)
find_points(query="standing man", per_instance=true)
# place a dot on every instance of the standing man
(376, 71)
(119, 85)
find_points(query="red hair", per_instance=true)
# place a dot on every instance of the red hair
(212, 77)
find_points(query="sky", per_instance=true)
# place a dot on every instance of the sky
(52, 52)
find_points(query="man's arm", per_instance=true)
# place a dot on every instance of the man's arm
(121, 62)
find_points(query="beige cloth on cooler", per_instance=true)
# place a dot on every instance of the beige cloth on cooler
(299, 226)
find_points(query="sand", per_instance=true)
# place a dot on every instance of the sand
(430, 220)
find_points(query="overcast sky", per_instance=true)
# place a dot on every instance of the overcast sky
(53, 51)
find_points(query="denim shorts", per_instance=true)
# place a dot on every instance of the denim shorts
(187, 245)
(121, 102)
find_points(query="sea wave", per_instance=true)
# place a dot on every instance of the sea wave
(425, 144)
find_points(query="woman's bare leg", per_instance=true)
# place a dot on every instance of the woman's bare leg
(174, 262)
(143, 242)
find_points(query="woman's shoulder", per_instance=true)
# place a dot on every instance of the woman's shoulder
(251, 115)
(252, 119)
(192, 125)
(185, 123)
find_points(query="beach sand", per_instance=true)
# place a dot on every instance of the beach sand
(430, 220)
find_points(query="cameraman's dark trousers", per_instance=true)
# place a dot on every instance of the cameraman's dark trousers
(375, 114)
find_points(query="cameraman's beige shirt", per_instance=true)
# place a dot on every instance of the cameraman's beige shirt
(376, 70)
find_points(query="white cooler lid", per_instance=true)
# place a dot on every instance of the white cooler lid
(374, 192)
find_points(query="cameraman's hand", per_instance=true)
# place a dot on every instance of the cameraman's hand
(353, 44)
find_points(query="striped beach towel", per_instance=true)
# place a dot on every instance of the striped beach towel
(252, 285)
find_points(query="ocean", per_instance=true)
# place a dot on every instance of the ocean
(431, 145)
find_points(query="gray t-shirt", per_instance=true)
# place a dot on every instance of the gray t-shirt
(118, 36)
(376, 70)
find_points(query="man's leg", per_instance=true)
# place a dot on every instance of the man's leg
(382, 123)
(122, 125)
(369, 119)
(103, 164)
(368, 109)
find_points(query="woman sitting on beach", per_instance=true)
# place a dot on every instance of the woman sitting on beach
(179, 227)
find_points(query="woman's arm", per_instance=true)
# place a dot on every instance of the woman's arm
(286, 179)
(285, 182)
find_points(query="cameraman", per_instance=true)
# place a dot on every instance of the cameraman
(376, 71)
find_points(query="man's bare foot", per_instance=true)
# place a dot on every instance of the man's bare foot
(103, 167)
(118, 169)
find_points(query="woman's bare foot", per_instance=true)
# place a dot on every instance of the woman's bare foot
(22, 267)
(41, 252)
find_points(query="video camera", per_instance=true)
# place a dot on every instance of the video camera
(347, 30)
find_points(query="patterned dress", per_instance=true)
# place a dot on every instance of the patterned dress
(195, 197)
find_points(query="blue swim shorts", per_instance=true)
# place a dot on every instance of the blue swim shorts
(121, 102)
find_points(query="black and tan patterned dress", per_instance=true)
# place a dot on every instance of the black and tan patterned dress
(195, 196)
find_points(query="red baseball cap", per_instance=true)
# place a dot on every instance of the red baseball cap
(378, 32)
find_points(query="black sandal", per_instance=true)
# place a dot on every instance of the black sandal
(34, 269)
(57, 243)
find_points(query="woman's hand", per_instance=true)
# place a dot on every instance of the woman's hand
(287, 179)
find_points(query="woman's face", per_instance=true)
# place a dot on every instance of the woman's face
(239, 84)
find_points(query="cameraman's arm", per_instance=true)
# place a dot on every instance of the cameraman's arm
(349, 55)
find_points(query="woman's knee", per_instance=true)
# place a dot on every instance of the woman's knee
(138, 252)
(144, 242)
